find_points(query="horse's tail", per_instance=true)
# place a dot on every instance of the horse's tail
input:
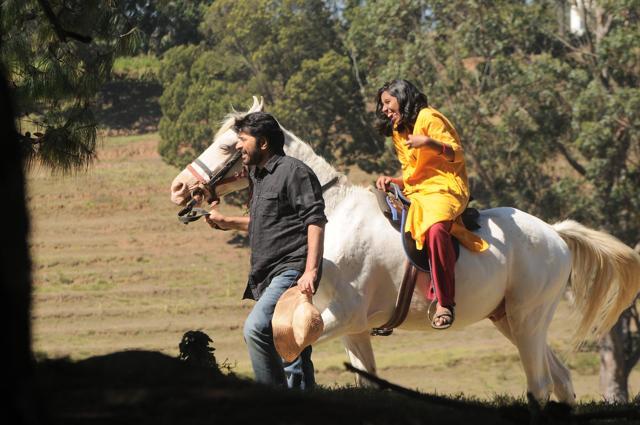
(605, 277)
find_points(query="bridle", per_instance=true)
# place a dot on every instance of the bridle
(206, 186)
(214, 179)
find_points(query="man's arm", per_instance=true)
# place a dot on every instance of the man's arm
(315, 249)
(226, 223)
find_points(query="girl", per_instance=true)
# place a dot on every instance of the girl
(434, 178)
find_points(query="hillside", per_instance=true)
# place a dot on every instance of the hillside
(115, 270)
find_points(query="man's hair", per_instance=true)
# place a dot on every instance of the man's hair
(411, 101)
(262, 126)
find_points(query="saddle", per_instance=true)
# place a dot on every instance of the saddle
(394, 205)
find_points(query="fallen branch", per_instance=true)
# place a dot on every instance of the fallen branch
(551, 413)
(444, 401)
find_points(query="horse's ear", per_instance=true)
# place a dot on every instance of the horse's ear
(258, 104)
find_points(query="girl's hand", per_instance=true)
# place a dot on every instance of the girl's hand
(417, 141)
(383, 182)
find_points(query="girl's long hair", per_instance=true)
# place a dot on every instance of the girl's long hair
(410, 100)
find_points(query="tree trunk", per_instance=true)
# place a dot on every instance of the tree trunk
(18, 401)
(613, 369)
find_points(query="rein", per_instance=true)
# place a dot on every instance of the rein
(328, 184)
(189, 213)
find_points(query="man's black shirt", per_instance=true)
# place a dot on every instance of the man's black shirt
(286, 198)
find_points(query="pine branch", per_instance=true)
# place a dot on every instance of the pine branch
(61, 32)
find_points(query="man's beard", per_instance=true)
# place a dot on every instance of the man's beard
(254, 158)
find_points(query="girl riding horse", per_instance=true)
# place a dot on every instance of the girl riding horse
(434, 178)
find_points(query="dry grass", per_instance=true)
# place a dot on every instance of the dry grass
(115, 270)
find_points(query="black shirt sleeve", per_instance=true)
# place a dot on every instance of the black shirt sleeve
(305, 196)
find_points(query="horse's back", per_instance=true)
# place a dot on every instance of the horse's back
(524, 258)
(364, 263)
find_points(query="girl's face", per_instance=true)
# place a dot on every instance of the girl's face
(390, 106)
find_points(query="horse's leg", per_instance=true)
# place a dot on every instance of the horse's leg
(530, 338)
(562, 385)
(360, 353)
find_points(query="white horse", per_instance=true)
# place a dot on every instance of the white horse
(528, 266)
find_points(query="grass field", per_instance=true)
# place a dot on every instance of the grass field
(115, 270)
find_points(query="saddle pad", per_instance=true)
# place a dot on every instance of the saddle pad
(394, 206)
(419, 257)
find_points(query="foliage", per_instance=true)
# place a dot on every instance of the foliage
(165, 23)
(288, 52)
(199, 88)
(58, 54)
(546, 118)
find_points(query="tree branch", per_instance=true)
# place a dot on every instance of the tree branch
(572, 161)
(61, 32)
(356, 71)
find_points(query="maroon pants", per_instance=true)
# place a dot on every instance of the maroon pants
(443, 263)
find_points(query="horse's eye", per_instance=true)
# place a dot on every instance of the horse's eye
(228, 148)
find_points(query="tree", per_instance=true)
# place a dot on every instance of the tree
(165, 23)
(287, 51)
(58, 54)
(15, 275)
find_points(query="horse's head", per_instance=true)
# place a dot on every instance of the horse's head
(218, 170)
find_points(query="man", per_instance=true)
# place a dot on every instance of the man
(286, 232)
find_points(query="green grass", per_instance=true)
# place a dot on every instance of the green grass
(141, 67)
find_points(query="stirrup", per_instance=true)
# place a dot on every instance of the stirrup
(431, 311)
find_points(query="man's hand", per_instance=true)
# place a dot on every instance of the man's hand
(306, 281)
(215, 219)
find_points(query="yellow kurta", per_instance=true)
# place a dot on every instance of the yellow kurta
(438, 189)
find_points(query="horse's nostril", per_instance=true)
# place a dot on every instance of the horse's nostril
(177, 187)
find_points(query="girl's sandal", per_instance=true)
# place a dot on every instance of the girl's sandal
(449, 313)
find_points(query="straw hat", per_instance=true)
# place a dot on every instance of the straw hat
(296, 323)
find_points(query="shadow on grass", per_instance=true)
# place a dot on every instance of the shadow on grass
(127, 106)
(145, 387)
(239, 240)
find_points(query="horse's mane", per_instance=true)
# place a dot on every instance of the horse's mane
(228, 122)
(231, 117)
